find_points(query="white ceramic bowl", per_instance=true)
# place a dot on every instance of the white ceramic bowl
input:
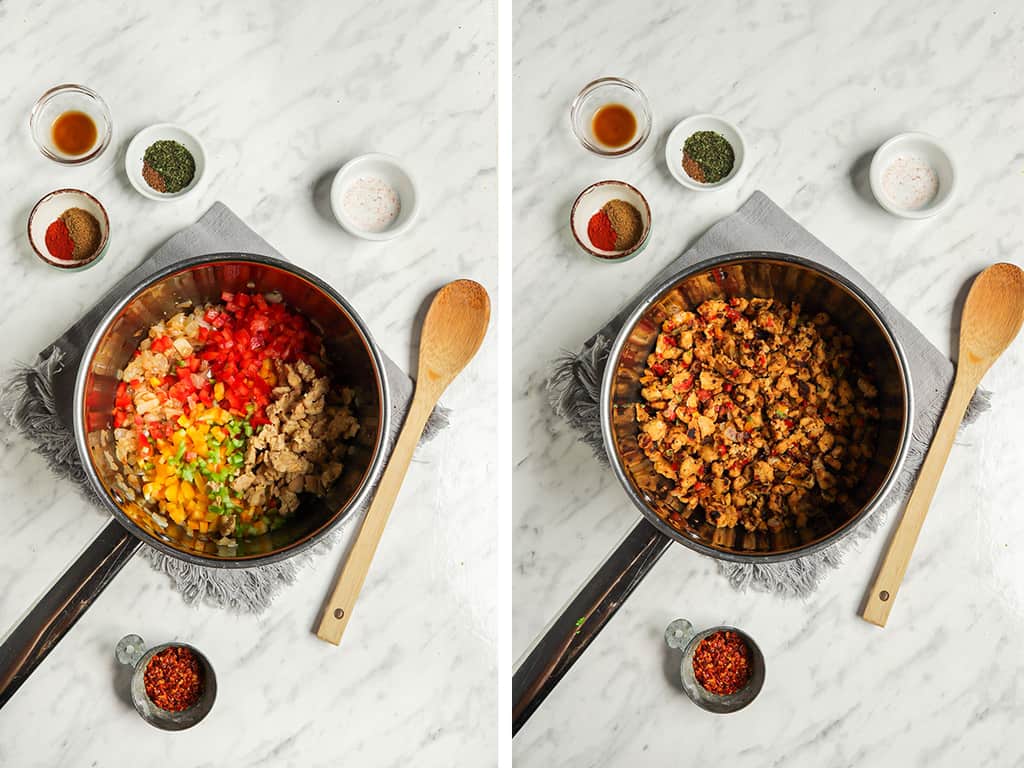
(142, 141)
(929, 151)
(684, 130)
(389, 170)
(591, 200)
(46, 211)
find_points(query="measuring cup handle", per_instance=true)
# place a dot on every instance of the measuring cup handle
(65, 602)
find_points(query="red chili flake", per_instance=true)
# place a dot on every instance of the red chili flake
(732, 314)
(727, 387)
(789, 423)
(721, 663)
(174, 679)
(667, 326)
(698, 486)
(722, 450)
(668, 341)
(703, 394)
(658, 369)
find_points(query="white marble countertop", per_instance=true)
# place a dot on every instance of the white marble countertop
(815, 87)
(281, 94)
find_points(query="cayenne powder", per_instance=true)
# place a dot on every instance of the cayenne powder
(58, 241)
(174, 679)
(600, 232)
(721, 663)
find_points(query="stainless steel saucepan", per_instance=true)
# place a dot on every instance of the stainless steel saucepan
(754, 274)
(356, 361)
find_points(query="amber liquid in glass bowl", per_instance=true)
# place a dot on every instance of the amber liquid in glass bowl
(74, 132)
(614, 125)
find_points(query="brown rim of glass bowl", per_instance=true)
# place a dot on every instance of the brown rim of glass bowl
(644, 121)
(73, 265)
(619, 255)
(103, 132)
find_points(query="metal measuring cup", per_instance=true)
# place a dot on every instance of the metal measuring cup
(131, 651)
(680, 634)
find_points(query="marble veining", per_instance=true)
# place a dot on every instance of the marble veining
(814, 87)
(281, 94)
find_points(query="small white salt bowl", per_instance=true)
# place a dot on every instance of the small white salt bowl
(137, 150)
(48, 209)
(593, 199)
(918, 148)
(684, 130)
(390, 171)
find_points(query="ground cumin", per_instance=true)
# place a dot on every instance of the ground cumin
(84, 231)
(626, 221)
(153, 178)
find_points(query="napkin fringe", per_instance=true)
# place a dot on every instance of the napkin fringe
(28, 404)
(574, 391)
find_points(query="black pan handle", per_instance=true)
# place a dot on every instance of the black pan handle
(571, 632)
(58, 610)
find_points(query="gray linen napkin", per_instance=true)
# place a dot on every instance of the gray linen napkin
(760, 225)
(37, 401)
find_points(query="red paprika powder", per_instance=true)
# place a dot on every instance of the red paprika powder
(58, 240)
(601, 233)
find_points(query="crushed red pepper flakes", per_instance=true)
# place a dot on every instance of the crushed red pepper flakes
(721, 663)
(174, 679)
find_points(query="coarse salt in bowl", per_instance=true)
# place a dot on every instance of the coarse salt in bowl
(912, 175)
(374, 197)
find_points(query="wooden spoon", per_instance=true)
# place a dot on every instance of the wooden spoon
(992, 316)
(453, 330)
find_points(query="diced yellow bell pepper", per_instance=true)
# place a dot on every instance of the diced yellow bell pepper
(203, 526)
(218, 391)
(183, 421)
(187, 491)
(171, 491)
(177, 515)
(154, 381)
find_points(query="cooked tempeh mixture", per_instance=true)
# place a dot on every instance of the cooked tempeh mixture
(757, 415)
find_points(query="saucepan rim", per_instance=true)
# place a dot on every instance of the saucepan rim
(380, 444)
(653, 295)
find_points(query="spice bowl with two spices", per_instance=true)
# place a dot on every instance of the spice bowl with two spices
(164, 162)
(705, 152)
(611, 221)
(68, 229)
(721, 670)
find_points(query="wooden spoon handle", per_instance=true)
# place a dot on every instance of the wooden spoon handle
(897, 557)
(338, 607)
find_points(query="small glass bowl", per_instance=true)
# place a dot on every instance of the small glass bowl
(610, 90)
(61, 99)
